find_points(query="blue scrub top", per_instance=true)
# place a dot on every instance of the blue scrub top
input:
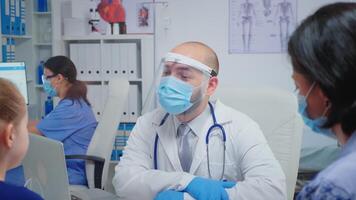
(8, 191)
(73, 123)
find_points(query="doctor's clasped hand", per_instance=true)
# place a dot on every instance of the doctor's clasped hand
(200, 189)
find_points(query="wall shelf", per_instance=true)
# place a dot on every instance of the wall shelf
(43, 44)
(42, 13)
(17, 36)
(107, 37)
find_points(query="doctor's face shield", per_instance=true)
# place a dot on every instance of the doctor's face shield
(181, 83)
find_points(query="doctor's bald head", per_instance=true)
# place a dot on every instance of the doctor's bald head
(200, 52)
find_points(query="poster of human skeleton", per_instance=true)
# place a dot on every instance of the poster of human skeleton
(261, 26)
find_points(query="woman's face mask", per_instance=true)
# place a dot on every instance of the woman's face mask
(48, 88)
(317, 123)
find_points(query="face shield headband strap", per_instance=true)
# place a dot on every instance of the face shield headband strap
(178, 58)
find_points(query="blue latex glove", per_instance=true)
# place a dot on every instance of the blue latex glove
(169, 195)
(202, 189)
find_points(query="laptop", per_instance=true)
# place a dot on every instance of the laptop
(16, 73)
(46, 173)
(45, 169)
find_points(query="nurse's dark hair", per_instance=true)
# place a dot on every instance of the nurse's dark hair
(323, 50)
(12, 104)
(64, 66)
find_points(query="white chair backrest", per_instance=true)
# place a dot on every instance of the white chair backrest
(276, 113)
(103, 139)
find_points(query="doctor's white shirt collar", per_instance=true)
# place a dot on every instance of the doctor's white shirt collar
(197, 124)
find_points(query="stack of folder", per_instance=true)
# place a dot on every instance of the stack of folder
(13, 17)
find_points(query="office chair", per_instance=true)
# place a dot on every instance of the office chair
(276, 113)
(101, 145)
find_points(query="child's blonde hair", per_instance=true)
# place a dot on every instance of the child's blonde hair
(12, 103)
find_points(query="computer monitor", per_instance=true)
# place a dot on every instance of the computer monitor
(16, 73)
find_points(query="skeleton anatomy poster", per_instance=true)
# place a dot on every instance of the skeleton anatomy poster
(261, 26)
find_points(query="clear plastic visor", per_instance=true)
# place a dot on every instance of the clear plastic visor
(196, 76)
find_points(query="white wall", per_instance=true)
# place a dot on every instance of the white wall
(207, 21)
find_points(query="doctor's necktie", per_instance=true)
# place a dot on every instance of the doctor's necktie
(184, 146)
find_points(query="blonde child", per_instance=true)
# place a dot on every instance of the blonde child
(13, 139)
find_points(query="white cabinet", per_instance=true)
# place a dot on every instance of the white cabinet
(101, 58)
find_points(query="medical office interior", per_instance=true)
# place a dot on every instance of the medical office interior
(117, 47)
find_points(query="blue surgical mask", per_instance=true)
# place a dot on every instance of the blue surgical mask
(48, 88)
(174, 95)
(317, 123)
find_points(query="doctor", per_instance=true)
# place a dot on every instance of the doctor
(167, 156)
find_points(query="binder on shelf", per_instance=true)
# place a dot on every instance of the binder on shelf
(115, 60)
(12, 50)
(94, 97)
(8, 49)
(82, 64)
(97, 62)
(22, 17)
(117, 150)
(4, 49)
(104, 96)
(125, 112)
(106, 61)
(133, 102)
(12, 16)
(73, 55)
(132, 61)
(100, 92)
(17, 26)
(92, 53)
(121, 139)
(5, 17)
(124, 59)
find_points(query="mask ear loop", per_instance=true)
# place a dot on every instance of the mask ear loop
(202, 84)
(197, 101)
(310, 90)
(326, 109)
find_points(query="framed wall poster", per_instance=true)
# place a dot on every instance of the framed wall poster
(261, 26)
(139, 16)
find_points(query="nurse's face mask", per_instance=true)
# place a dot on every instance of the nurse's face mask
(183, 83)
(48, 88)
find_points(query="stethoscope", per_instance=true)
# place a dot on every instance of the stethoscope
(215, 125)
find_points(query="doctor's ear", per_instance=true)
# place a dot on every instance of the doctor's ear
(7, 135)
(212, 85)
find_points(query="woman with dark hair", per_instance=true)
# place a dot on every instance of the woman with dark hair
(72, 121)
(323, 54)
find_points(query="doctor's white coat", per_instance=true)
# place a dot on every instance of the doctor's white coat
(249, 160)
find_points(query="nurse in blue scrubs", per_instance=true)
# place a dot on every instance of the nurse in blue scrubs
(72, 121)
